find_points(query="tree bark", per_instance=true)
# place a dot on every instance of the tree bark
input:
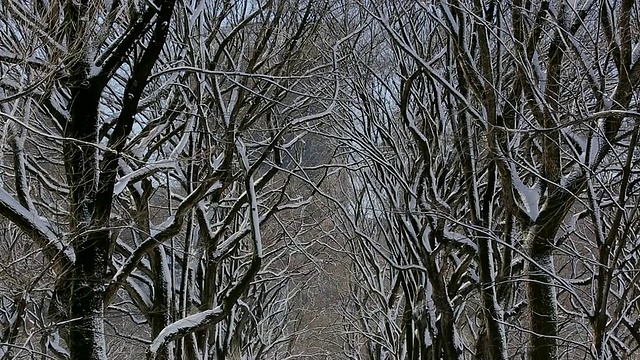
(541, 295)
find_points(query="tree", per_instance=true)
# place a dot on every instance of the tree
(147, 143)
(65, 73)
(493, 128)
(187, 172)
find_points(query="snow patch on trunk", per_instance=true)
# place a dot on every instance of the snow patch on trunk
(530, 196)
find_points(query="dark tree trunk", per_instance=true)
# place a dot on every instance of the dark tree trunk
(86, 283)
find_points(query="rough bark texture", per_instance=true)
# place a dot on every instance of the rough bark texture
(91, 181)
(86, 283)
(541, 295)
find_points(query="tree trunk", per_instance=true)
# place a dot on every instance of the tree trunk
(161, 313)
(541, 295)
(86, 302)
(494, 335)
(87, 283)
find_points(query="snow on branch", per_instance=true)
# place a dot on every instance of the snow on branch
(460, 239)
(530, 196)
(170, 227)
(253, 203)
(183, 327)
(38, 229)
(142, 173)
(206, 318)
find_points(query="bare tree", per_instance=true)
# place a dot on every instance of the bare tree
(57, 79)
(150, 142)
(493, 127)
(184, 174)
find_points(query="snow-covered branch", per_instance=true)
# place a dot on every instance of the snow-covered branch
(183, 327)
(38, 229)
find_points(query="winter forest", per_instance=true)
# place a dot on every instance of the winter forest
(319, 179)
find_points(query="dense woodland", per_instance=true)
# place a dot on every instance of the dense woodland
(319, 179)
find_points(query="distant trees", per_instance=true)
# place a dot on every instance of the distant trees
(452, 179)
(486, 151)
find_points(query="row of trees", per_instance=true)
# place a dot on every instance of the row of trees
(497, 191)
(400, 180)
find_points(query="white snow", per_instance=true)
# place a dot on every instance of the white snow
(97, 324)
(593, 150)
(449, 16)
(56, 100)
(141, 173)
(53, 341)
(142, 145)
(156, 230)
(530, 196)
(183, 141)
(592, 144)
(431, 308)
(181, 327)
(143, 294)
(570, 226)
(156, 7)
(253, 201)
(425, 236)
(427, 339)
(127, 170)
(457, 341)
(10, 205)
(459, 238)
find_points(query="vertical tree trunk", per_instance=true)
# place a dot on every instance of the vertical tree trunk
(86, 334)
(541, 296)
(86, 298)
(495, 335)
(161, 312)
(451, 346)
(87, 282)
